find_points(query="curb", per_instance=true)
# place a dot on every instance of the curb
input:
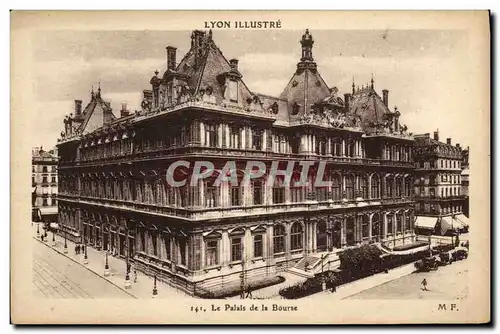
(92, 271)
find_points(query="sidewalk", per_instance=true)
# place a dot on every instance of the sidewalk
(360, 285)
(117, 269)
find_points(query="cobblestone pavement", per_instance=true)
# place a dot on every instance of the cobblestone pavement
(142, 288)
(448, 282)
(56, 276)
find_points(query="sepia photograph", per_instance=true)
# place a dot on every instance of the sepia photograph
(250, 167)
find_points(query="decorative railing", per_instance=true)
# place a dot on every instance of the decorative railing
(222, 107)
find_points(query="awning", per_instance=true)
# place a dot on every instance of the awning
(463, 220)
(426, 222)
(54, 225)
(447, 224)
(49, 210)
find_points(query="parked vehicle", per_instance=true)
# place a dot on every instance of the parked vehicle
(460, 253)
(444, 258)
(426, 264)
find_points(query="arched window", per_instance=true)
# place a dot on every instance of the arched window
(399, 223)
(296, 236)
(407, 222)
(399, 186)
(376, 227)
(279, 239)
(375, 186)
(336, 187)
(349, 186)
(390, 220)
(363, 185)
(389, 182)
(408, 186)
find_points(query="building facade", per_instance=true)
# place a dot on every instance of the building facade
(113, 174)
(44, 184)
(439, 195)
(465, 180)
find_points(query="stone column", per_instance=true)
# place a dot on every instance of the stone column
(314, 235)
(243, 137)
(220, 142)
(370, 222)
(225, 248)
(269, 250)
(343, 148)
(202, 134)
(384, 225)
(248, 245)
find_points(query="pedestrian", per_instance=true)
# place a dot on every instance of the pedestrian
(334, 286)
(135, 276)
(76, 249)
(424, 285)
(249, 291)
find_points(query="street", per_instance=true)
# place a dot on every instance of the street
(56, 276)
(448, 282)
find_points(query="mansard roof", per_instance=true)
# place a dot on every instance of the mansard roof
(370, 108)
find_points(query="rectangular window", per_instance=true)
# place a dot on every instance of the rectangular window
(236, 249)
(278, 192)
(296, 192)
(256, 139)
(44, 180)
(321, 194)
(235, 196)
(233, 91)
(33, 180)
(257, 245)
(234, 137)
(210, 195)
(212, 253)
(211, 135)
(53, 179)
(44, 202)
(257, 193)
(44, 169)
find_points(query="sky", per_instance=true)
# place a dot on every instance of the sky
(423, 70)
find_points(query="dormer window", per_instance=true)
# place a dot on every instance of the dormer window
(233, 90)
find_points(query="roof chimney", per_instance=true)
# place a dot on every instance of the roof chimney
(457, 145)
(385, 97)
(171, 55)
(234, 64)
(448, 141)
(347, 101)
(436, 135)
(78, 108)
(124, 112)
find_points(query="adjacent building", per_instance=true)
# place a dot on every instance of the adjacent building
(438, 185)
(465, 180)
(44, 184)
(114, 194)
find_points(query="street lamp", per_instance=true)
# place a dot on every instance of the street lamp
(85, 257)
(155, 290)
(54, 239)
(127, 275)
(38, 230)
(65, 243)
(106, 266)
(45, 235)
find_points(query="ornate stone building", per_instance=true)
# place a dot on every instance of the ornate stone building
(438, 188)
(44, 184)
(113, 188)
